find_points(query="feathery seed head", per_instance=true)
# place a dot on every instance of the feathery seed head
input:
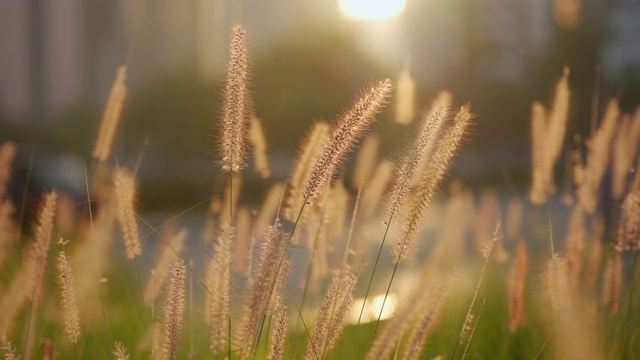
(111, 116)
(439, 163)
(174, 304)
(628, 236)
(417, 159)
(40, 250)
(236, 106)
(310, 149)
(278, 338)
(68, 298)
(350, 126)
(125, 191)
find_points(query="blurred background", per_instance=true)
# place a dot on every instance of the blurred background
(58, 60)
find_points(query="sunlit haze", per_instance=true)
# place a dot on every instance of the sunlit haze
(371, 9)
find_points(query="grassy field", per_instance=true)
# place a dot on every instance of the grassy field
(399, 260)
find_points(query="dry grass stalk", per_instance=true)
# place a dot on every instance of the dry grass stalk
(349, 127)
(628, 236)
(120, 352)
(111, 116)
(429, 312)
(548, 131)
(366, 160)
(68, 298)
(40, 250)
(173, 307)
(439, 163)
(421, 152)
(330, 320)
(259, 144)
(276, 351)
(125, 192)
(236, 106)
(405, 108)
(598, 159)
(612, 284)
(516, 279)
(170, 252)
(310, 149)
(8, 351)
(625, 150)
(219, 282)
(7, 153)
(267, 284)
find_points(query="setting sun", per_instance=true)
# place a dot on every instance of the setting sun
(371, 9)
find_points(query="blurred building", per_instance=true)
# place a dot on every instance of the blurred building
(58, 52)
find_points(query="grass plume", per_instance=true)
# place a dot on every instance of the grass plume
(111, 116)
(349, 127)
(236, 106)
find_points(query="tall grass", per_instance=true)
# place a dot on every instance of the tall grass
(389, 264)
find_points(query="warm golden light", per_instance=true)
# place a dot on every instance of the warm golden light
(371, 9)
(372, 309)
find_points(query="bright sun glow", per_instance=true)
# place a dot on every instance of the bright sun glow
(372, 309)
(371, 9)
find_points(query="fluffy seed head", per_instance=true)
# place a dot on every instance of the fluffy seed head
(629, 223)
(310, 150)
(125, 191)
(111, 116)
(439, 163)
(276, 351)
(40, 250)
(68, 298)
(598, 159)
(236, 106)
(173, 310)
(348, 129)
(170, 252)
(219, 281)
(421, 153)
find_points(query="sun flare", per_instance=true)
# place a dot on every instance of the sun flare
(371, 9)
